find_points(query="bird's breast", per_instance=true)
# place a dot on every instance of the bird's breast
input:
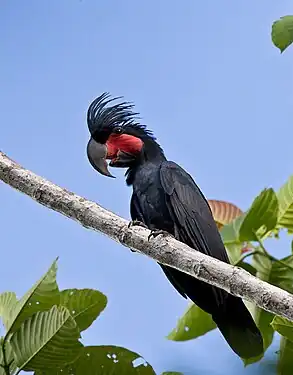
(152, 199)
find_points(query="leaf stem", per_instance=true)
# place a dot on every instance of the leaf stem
(271, 257)
(241, 259)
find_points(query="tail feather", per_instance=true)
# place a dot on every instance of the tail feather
(229, 312)
(239, 329)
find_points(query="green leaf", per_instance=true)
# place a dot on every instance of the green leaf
(42, 296)
(261, 217)
(285, 197)
(48, 339)
(8, 301)
(279, 274)
(283, 326)
(105, 360)
(230, 232)
(263, 213)
(285, 357)
(282, 273)
(247, 267)
(9, 358)
(84, 305)
(234, 251)
(282, 32)
(194, 323)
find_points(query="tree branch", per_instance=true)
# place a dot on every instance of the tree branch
(165, 250)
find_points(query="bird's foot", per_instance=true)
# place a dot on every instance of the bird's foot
(154, 233)
(138, 223)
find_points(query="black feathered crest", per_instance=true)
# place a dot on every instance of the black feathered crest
(101, 117)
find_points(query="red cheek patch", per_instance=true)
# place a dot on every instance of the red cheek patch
(123, 142)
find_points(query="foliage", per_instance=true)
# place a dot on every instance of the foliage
(188, 327)
(243, 235)
(43, 333)
(99, 360)
(43, 327)
(282, 32)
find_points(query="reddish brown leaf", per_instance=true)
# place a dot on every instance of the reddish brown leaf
(224, 212)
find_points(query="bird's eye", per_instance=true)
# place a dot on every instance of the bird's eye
(118, 130)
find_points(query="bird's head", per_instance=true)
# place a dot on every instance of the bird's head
(116, 135)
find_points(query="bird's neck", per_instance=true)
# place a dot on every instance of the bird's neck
(151, 154)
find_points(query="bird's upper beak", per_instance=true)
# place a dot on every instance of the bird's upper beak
(97, 153)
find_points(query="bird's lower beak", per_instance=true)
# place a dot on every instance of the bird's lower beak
(122, 160)
(97, 154)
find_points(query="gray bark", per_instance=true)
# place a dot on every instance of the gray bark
(163, 249)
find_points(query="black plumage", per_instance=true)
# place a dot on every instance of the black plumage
(165, 197)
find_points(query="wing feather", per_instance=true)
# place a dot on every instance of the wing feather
(195, 226)
(191, 212)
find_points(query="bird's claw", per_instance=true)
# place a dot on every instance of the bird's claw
(138, 223)
(134, 223)
(154, 233)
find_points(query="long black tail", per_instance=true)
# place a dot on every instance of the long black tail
(229, 312)
(239, 329)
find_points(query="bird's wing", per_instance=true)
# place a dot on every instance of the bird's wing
(190, 211)
(195, 226)
(137, 214)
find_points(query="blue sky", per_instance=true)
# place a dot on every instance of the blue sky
(218, 95)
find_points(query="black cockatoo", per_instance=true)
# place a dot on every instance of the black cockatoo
(166, 198)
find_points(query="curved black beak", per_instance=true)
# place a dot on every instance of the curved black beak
(97, 153)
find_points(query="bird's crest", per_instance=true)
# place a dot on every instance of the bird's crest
(100, 116)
